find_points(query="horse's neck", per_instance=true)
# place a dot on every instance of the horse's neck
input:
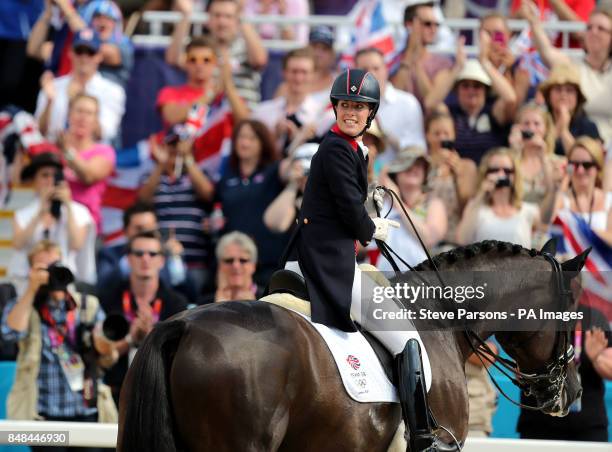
(513, 286)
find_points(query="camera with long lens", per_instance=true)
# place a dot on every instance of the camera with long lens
(115, 327)
(56, 204)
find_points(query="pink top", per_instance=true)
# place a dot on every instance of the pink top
(90, 195)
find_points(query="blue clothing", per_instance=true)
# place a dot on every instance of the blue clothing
(17, 17)
(244, 201)
(55, 398)
(120, 74)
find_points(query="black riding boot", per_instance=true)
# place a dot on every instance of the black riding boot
(412, 390)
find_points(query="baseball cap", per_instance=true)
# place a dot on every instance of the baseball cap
(322, 34)
(87, 38)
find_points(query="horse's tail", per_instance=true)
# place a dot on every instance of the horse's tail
(148, 423)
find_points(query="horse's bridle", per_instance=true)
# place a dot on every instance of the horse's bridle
(540, 384)
(552, 378)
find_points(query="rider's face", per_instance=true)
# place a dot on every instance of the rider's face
(352, 116)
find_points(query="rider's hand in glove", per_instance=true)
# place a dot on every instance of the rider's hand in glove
(382, 227)
(378, 196)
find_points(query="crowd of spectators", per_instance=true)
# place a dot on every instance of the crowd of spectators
(476, 148)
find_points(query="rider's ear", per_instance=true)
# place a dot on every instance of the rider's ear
(550, 247)
(573, 266)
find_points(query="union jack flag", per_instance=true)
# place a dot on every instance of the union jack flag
(353, 362)
(371, 30)
(574, 235)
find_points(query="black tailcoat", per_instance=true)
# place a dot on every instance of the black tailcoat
(332, 218)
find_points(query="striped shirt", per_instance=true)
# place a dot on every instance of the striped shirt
(55, 398)
(178, 207)
(246, 78)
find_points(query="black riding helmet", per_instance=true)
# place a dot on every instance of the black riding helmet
(359, 86)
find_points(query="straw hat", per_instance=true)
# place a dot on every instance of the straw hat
(562, 74)
(473, 70)
(406, 158)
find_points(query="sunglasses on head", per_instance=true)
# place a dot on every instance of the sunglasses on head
(140, 253)
(84, 51)
(507, 171)
(199, 60)
(231, 260)
(585, 164)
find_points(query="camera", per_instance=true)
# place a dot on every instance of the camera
(115, 327)
(527, 134)
(56, 204)
(503, 182)
(447, 144)
(59, 277)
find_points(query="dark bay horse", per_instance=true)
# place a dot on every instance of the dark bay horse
(251, 376)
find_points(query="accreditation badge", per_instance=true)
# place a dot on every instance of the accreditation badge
(72, 366)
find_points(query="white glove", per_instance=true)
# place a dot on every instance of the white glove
(382, 228)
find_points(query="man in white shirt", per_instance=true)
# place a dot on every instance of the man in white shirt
(54, 98)
(297, 116)
(399, 116)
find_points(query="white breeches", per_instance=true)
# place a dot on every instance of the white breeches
(395, 340)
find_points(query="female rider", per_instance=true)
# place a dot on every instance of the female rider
(331, 220)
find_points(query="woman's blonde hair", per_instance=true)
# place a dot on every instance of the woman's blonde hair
(516, 196)
(595, 150)
(549, 135)
(78, 97)
(43, 246)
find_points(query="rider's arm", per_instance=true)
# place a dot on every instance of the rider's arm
(339, 169)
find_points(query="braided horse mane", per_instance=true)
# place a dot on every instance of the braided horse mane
(463, 253)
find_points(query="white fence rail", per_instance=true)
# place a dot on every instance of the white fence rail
(343, 24)
(104, 435)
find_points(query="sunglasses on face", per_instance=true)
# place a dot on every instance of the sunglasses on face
(200, 60)
(231, 260)
(84, 51)
(585, 164)
(140, 253)
(507, 171)
(430, 23)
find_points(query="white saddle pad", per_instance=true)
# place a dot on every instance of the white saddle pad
(363, 376)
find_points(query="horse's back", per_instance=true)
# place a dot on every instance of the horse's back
(254, 376)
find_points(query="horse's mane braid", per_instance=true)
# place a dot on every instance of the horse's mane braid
(475, 249)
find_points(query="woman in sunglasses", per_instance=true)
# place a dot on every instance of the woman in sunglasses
(236, 262)
(581, 190)
(497, 212)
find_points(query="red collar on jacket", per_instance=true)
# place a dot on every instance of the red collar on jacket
(335, 129)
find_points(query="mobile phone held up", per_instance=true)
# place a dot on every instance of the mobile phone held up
(56, 204)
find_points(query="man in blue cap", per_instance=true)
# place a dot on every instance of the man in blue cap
(54, 97)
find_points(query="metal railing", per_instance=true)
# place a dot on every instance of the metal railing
(156, 20)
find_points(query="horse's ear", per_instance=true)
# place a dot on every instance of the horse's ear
(550, 247)
(572, 267)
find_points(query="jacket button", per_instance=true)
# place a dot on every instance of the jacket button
(305, 220)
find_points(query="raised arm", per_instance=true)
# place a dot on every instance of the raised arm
(549, 53)
(445, 79)
(175, 54)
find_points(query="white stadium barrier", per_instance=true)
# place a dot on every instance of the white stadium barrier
(105, 435)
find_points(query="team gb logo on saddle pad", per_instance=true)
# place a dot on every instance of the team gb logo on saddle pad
(353, 362)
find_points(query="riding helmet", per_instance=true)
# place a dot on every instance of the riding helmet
(357, 85)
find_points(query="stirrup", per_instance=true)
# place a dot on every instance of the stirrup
(413, 399)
